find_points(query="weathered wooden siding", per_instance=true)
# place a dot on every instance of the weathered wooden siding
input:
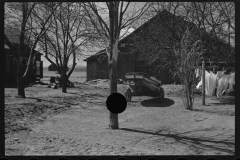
(91, 70)
(165, 77)
(99, 70)
(102, 70)
(126, 63)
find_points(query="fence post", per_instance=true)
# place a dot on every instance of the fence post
(203, 83)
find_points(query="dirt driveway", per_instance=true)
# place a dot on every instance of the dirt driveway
(49, 122)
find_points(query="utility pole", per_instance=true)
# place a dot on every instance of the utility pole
(203, 83)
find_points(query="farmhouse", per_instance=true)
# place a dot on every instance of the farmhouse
(166, 28)
(10, 63)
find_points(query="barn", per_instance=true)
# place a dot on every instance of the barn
(128, 61)
(10, 64)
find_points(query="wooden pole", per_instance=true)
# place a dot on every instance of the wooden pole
(203, 83)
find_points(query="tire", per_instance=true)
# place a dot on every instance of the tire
(161, 96)
(128, 95)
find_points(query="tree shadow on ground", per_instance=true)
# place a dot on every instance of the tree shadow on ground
(154, 102)
(72, 93)
(197, 144)
(225, 100)
(52, 101)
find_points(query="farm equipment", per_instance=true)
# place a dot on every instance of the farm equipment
(141, 84)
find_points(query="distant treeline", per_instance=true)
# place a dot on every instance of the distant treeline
(76, 69)
(80, 69)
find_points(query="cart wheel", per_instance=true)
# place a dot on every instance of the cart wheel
(128, 95)
(161, 96)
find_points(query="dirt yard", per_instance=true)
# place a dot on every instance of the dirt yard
(48, 122)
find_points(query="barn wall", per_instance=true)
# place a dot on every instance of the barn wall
(165, 77)
(11, 66)
(99, 70)
(126, 63)
(102, 70)
(91, 70)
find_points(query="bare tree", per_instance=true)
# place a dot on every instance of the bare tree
(218, 18)
(21, 15)
(187, 55)
(109, 19)
(65, 38)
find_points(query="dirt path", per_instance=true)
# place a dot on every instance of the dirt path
(49, 122)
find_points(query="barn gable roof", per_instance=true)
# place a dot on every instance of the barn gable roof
(103, 51)
(163, 14)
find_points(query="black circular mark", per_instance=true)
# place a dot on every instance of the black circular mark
(116, 103)
(121, 158)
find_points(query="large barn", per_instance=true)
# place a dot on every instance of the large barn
(97, 66)
(10, 64)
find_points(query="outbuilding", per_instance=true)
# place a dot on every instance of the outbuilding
(10, 63)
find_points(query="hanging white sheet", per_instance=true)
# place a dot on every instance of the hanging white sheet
(212, 84)
(231, 82)
(207, 74)
(221, 83)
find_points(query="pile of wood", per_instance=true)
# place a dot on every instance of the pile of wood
(101, 81)
(97, 81)
(56, 82)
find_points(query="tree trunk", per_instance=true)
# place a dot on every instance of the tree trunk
(114, 32)
(64, 78)
(187, 97)
(20, 80)
(113, 89)
(189, 105)
(29, 72)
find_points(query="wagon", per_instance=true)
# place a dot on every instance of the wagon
(142, 84)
